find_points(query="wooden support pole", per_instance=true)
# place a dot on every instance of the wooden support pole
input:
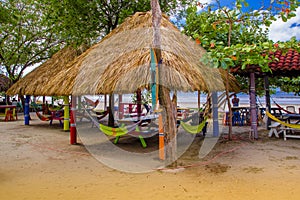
(66, 114)
(214, 97)
(161, 138)
(111, 120)
(139, 103)
(253, 111)
(105, 102)
(73, 133)
(268, 102)
(121, 106)
(26, 110)
(199, 100)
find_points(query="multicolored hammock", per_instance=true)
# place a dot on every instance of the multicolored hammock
(43, 117)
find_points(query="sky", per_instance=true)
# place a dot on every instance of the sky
(279, 30)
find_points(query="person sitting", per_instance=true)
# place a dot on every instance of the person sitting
(235, 100)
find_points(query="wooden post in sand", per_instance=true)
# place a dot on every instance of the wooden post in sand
(214, 97)
(170, 131)
(73, 135)
(66, 113)
(161, 138)
(26, 110)
(253, 106)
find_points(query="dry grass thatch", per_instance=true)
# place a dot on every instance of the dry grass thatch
(5, 83)
(36, 82)
(119, 63)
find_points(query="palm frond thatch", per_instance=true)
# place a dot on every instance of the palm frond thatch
(36, 82)
(119, 63)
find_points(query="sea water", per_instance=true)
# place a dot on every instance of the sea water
(191, 98)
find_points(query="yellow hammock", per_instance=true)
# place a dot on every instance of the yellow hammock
(296, 126)
(193, 129)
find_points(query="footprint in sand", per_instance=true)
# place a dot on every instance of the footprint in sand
(253, 169)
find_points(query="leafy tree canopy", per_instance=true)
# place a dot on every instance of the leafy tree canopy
(25, 37)
(234, 37)
(32, 31)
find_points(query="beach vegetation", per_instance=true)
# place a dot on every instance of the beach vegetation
(234, 37)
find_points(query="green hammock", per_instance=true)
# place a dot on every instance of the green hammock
(193, 129)
(113, 131)
(120, 131)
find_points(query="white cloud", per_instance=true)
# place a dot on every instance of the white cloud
(205, 3)
(282, 31)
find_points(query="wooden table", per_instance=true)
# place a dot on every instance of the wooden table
(10, 112)
(144, 120)
(290, 117)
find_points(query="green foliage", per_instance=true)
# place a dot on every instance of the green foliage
(287, 84)
(86, 21)
(233, 37)
(146, 97)
(26, 39)
(32, 31)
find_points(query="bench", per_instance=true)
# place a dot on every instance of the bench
(290, 130)
(273, 129)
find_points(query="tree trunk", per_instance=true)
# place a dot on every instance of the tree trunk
(169, 117)
(111, 120)
(229, 107)
(268, 102)
(253, 111)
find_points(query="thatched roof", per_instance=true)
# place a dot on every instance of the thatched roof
(119, 63)
(5, 83)
(35, 82)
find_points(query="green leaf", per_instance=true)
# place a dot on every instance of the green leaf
(223, 64)
(284, 19)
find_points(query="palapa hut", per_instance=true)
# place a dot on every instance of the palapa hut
(120, 63)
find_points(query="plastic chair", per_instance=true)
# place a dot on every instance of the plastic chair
(236, 119)
(291, 109)
(9, 115)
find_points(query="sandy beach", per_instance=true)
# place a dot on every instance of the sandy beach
(37, 162)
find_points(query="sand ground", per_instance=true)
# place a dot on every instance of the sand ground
(37, 162)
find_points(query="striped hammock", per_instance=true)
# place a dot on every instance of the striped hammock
(43, 117)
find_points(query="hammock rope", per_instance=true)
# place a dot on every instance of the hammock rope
(295, 126)
(281, 108)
